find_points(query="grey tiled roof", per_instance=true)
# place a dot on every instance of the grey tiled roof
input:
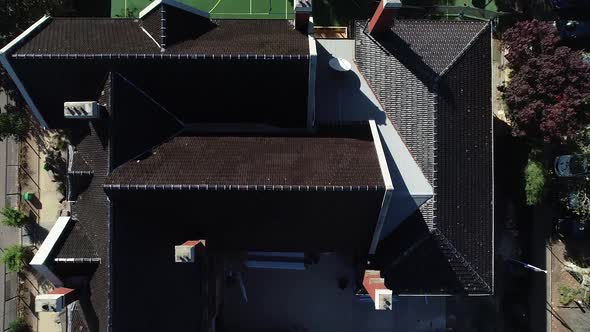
(92, 212)
(434, 80)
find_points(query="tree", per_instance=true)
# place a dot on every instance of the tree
(534, 182)
(15, 17)
(549, 85)
(13, 217)
(577, 201)
(14, 123)
(14, 258)
(18, 325)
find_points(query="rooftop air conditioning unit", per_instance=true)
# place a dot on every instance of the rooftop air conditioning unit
(187, 252)
(81, 110)
(55, 301)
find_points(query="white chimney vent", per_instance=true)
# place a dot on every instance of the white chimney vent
(187, 252)
(55, 301)
(81, 110)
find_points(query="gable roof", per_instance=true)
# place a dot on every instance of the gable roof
(108, 38)
(434, 80)
(298, 163)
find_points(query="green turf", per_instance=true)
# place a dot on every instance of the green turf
(237, 9)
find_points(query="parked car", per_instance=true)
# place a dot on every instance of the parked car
(570, 4)
(572, 228)
(571, 165)
(573, 30)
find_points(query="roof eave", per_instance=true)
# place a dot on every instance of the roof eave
(9, 48)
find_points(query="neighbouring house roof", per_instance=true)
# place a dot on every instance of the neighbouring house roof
(256, 163)
(434, 80)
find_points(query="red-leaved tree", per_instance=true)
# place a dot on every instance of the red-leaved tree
(549, 85)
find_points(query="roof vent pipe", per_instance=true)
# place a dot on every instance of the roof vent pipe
(382, 20)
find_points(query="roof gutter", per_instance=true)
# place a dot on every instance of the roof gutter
(6, 64)
(388, 187)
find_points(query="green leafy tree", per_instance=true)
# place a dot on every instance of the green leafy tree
(577, 201)
(534, 182)
(18, 325)
(13, 217)
(14, 123)
(14, 258)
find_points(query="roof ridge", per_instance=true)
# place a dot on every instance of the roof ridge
(464, 51)
(449, 245)
(145, 94)
(181, 124)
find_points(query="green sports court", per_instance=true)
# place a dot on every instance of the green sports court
(236, 9)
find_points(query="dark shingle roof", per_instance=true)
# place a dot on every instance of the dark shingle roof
(92, 212)
(92, 36)
(433, 77)
(436, 43)
(76, 244)
(262, 37)
(256, 161)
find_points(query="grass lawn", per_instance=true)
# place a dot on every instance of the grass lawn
(238, 9)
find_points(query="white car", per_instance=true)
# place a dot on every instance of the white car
(571, 165)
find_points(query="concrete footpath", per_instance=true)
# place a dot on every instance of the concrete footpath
(9, 192)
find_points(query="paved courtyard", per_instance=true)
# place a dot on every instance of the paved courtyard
(310, 300)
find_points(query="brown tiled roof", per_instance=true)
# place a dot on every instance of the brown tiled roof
(90, 36)
(262, 37)
(279, 163)
(125, 37)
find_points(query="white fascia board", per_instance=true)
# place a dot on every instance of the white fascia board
(172, 3)
(24, 34)
(47, 246)
(417, 184)
(4, 52)
(313, 60)
(40, 260)
(388, 187)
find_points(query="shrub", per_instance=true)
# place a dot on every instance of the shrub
(14, 258)
(13, 217)
(567, 294)
(18, 325)
(534, 182)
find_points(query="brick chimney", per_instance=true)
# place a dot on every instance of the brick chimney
(55, 301)
(188, 251)
(303, 11)
(375, 286)
(383, 17)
